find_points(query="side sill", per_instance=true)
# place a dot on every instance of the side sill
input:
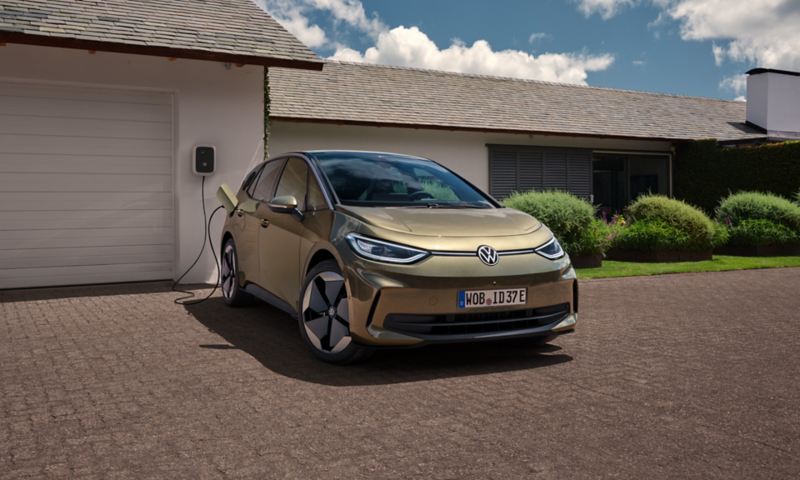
(270, 298)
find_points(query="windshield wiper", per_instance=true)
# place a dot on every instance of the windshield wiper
(453, 205)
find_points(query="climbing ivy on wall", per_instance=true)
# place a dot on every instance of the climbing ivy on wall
(266, 112)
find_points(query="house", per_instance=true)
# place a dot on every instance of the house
(504, 134)
(101, 104)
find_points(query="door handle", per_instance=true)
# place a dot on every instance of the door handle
(264, 223)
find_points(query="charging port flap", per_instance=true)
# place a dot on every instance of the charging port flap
(228, 199)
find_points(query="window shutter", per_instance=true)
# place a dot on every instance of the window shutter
(529, 175)
(522, 168)
(579, 174)
(555, 171)
(502, 172)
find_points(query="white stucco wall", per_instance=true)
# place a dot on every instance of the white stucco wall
(215, 104)
(464, 152)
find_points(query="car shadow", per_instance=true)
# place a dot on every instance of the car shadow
(272, 338)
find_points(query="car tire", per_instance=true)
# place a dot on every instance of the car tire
(232, 292)
(324, 316)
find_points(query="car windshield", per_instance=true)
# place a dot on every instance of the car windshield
(386, 180)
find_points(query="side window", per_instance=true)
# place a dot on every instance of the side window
(293, 181)
(249, 180)
(266, 181)
(316, 199)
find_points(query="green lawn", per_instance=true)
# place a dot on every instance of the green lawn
(718, 264)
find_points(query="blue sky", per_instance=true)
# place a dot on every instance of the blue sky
(690, 47)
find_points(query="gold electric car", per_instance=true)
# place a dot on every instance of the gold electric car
(372, 249)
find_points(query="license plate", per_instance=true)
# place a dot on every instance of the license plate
(492, 298)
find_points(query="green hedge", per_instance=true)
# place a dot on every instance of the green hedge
(661, 223)
(570, 218)
(704, 172)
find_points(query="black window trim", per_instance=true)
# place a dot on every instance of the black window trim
(322, 181)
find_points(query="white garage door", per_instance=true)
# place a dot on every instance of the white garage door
(85, 185)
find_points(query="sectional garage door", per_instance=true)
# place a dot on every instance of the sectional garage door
(518, 168)
(85, 185)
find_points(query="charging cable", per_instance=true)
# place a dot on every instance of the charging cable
(187, 299)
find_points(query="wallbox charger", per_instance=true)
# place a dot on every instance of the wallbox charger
(203, 164)
(204, 161)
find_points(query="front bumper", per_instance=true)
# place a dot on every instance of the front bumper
(408, 305)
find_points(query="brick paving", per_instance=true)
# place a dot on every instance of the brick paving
(681, 376)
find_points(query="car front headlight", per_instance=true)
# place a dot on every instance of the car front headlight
(383, 251)
(551, 250)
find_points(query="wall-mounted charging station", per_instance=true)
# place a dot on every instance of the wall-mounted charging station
(204, 163)
(204, 160)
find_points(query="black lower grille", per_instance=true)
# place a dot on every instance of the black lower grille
(475, 323)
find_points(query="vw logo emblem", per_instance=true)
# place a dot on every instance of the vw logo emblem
(488, 255)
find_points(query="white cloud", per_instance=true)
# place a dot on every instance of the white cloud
(293, 15)
(736, 84)
(412, 47)
(537, 36)
(605, 8)
(765, 32)
(351, 12)
(638, 63)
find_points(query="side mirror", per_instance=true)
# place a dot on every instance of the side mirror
(227, 198)
(283, 204)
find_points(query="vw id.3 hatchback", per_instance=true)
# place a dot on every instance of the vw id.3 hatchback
(373, 250)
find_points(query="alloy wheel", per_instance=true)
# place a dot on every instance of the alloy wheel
(325, 312)
(228, 271)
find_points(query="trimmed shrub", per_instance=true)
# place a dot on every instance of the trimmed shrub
(650, 235)
(760, 232)
(721, 235)
(596, 240)
(570, 218)
(667, 224)
(738, 207)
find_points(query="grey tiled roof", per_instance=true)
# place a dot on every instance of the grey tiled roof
(230, 28)
(371, 94)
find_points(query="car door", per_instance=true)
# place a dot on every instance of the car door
(279, 241)
(250, 218)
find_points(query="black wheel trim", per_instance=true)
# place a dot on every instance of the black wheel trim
(326, 312)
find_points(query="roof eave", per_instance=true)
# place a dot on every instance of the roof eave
(457, 128)
(156, 50)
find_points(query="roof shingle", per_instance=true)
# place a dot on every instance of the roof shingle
(233, 30)
(383, 95)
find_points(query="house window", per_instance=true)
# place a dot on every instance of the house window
(620, 178)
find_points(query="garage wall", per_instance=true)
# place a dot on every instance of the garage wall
(213, 104)
(464, 152)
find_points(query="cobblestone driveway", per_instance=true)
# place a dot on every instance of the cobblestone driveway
(683, 376)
